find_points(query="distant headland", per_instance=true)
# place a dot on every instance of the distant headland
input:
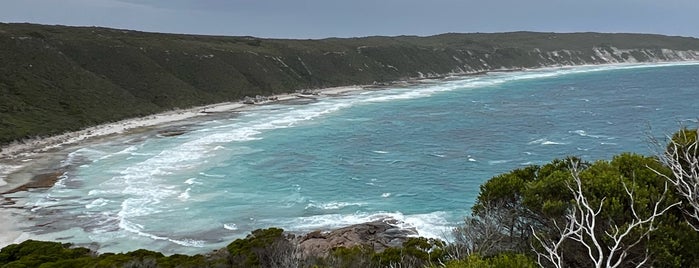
(57, 78)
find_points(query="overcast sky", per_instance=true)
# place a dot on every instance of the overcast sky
(344, 18)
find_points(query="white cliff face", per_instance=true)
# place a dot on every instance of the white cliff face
(475, 61)
(615, 55)
(679, 55)
(604, 55)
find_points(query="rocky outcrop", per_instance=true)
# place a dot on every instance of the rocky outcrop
(377, 235)
(40, 181)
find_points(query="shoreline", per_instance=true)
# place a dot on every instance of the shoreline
(11, 227)
(19, 149)
(18, 153)
(28, 147)
(16, 157)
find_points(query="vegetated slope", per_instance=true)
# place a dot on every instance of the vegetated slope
(55, 78)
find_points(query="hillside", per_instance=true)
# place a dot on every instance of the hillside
(55, 78)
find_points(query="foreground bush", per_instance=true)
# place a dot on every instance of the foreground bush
(567, 206)
(43, 254)
(499, 261)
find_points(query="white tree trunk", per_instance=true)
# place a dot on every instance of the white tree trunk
(683, 160)
(581, 224)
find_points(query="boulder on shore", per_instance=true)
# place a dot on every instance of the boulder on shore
(378, 235)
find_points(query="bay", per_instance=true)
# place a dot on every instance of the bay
(417, 154)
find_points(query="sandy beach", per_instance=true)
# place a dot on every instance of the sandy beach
(10, 229)
(20, 155)
(24, 149)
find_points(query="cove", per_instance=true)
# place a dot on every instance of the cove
(417, 154)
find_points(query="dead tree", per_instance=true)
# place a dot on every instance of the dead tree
(487, 233)
(609, 248)
(682, 157)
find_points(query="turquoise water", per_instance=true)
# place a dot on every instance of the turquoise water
(417, 154)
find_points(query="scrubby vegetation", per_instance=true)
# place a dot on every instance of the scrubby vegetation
(55, 79)
(263, 248)
(630, 211)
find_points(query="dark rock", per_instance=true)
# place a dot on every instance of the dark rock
(378, 235)
(171, 132)
(40, 181)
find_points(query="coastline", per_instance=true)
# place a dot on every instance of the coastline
(11, 227)
(20, 155)
(17, 156)
(26, 148)
(17, 153)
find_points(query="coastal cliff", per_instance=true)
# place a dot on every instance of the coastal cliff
(56, 78)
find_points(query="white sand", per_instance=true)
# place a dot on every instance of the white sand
(15, 156)
(10, 225)
(28, 147)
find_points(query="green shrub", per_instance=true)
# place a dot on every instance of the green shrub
(504, 260)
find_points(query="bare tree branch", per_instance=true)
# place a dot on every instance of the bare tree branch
(489, 232)
(682, 157)
(581, 227)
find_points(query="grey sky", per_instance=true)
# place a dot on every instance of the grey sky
(343, 18)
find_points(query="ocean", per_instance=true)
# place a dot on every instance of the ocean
(415, 153)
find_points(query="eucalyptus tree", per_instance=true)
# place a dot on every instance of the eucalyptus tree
(571, 213)
(612, 248)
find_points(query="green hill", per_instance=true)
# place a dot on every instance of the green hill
(55, 78)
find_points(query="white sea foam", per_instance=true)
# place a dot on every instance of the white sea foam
(81, 155)
(427, 90)
(230, 226)
(333, 205)
(99, 202)
(129, 150)
(386, 195)
(61, 182)
(552, 143)
(136, 229)
(431, 225)
(136, 207)
(500, 78)
(47, 201)
(379, 152)
(104, 192)
(184, 196)
(544, 141)
(211, 175)
(583, 133)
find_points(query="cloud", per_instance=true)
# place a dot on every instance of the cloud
(325, 18)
